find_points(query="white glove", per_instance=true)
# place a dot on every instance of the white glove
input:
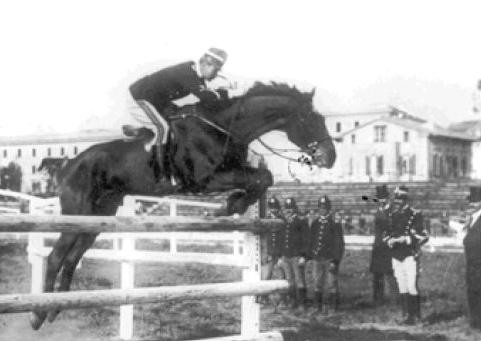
(302, 261)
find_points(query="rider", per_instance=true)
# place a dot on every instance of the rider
(155, 93)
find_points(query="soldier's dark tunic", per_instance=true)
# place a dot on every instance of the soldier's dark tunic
(472, 248)
(296, 238)
(406, 222)
(275, 240)
(381, 260)
(174, 82)
(322, 239)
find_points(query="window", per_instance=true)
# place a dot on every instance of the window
(404, 166)
(49, 151)
(351, 166)
(338, 127)
(412, 164)
(5, 153)
(380, 165)
(464, 166)
(62, 151)
(379, 133)
(441, 167)
(75, 150)
(356, 124)
(353, 138)
(455, 166)
(406, 136)
(368, 165)
(435, 167)
(33, 169)
(19, 152)
(34, 152)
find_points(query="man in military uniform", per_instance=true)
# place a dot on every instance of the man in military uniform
(294, 252)
(405, 239)
(154, 94)
(381, 259)
(472, 250)
(322, 252)
(275, 241)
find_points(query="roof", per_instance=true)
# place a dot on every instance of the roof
(471, 127)
(417, 125)
(74, 137)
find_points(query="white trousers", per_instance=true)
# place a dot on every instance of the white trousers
(406, 273)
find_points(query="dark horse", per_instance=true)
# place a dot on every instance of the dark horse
(204, 156)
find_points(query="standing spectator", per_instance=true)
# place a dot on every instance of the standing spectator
(381, 259)
(294, 252)
(275, 241)
(405, 239)
(472, 250)
(322, 252)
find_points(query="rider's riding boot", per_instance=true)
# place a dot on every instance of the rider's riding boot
(163, 182)
(411, 307)
(417, 307)
(404, 305)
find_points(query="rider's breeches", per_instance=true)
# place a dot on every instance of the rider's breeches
(294, 272)
(325, 280)
(406, 273)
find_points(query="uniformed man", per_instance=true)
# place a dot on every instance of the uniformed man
(294, 252)
(405, 239)
(275, 242)
(472, 250)
(154, 94)
(381, 259)
(323, 255)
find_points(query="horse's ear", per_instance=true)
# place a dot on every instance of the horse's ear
(313, 92)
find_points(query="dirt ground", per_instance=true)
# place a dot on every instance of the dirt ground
(442, 282)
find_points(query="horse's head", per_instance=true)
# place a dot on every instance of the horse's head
(306, 128)
(281, 107)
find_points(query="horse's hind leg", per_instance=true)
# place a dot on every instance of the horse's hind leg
(82, 244)
(54, 263)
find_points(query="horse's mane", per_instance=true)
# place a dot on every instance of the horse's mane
(276, 89)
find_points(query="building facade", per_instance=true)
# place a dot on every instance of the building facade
(29, 151)
(402, 148)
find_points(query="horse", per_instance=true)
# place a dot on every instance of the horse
(205, 154)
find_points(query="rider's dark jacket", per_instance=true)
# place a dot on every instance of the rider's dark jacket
(175, 82)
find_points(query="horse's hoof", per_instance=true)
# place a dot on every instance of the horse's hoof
(52, 315)
(36, 319)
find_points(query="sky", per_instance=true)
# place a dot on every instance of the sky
(66, 65)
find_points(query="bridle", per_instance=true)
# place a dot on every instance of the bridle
(311, 147)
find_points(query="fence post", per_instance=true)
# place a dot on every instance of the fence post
(35, 245)
(250, 315)
(127, 275)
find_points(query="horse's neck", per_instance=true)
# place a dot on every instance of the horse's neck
(248, 123)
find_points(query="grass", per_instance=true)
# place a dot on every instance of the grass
(441, 282)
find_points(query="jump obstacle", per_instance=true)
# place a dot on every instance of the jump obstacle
(246, 254)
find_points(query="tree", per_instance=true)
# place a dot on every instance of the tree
(11, 177)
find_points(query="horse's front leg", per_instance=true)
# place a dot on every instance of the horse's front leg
(253, 181)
